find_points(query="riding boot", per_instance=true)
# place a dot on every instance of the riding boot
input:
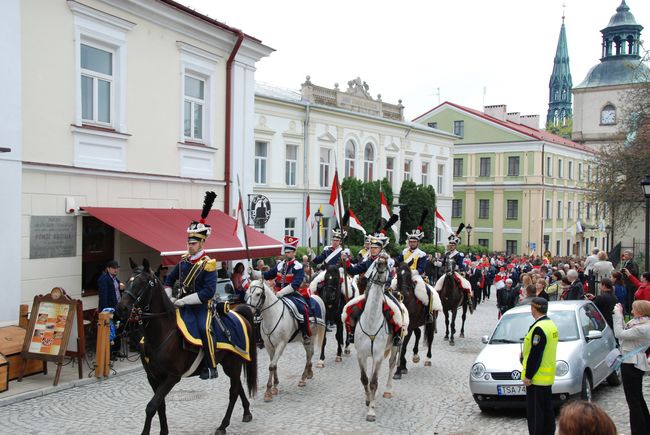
(306, 339)
(208, 372)
(349, 327)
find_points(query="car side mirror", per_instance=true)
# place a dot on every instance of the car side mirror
(594, 335)
(485, 339)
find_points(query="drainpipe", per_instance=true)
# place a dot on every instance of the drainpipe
(240, 39)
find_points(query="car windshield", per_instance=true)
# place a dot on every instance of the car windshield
(512, 328)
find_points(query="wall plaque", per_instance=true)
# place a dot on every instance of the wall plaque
(52, 236)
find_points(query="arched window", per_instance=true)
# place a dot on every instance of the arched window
(350, 154)
(368, 162)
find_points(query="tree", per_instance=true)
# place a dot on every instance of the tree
(414, 199)
(561, 130)
(363, 198)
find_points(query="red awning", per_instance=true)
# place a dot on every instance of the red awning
(165, 231)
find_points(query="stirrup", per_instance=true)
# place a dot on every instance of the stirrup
(209, 373)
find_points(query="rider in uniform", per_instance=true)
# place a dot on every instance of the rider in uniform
(331, 255)
(365, 251)
(197, 276)
(454, 261)
(289, 274)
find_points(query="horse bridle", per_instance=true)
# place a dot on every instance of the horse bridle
(138, 312)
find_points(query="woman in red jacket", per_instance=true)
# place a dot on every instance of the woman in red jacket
(643, 286)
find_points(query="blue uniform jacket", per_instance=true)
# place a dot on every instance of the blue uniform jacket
(363, 266)
(335, 261)
(421, 262)
(106, 289)
(205, 283)
(286, 272)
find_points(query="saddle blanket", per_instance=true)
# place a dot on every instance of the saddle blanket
(297, 305)
(393, 310)
(190, 318)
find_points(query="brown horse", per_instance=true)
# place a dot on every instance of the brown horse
(165, 357)
(453, 297)
(417, 318)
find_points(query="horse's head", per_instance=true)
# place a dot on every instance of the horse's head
(140, 292)
(382, 263)
(331, 286)
(451, 266)
(256, 294)
(404, 279)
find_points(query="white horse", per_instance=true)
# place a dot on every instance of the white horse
(373, 338)
(278, 327)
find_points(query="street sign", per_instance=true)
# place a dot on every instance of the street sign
(259, 208)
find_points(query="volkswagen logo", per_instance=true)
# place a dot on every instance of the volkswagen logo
(515, 375)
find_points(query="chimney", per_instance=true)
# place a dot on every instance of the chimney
(531, 121)
(514, 117)
(498, 111)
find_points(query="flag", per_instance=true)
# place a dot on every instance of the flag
(335, 191)
(579, 227)
(239, 222)
(309, 219)
(386, 214)
(354, 223)
(443, 223)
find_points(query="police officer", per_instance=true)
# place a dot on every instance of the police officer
(289, 274)
(538, 374)
(197, 276)
(331, 255)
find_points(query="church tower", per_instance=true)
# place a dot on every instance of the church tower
(559, 100)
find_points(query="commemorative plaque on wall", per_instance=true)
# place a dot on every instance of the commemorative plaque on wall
(52, 236)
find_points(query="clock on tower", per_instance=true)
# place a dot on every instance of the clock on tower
(608, 115)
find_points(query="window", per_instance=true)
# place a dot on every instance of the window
(456, 208)
(549, 209)
(425, 173)
(350, 155)
(588, 211)
(589, 173)
(390, 166)
(484, 167)
(291, 165)
(549, 166)
(569, 209)
(290, 226)
(459, 128)
(484, 243)
(97, 247)
(579, 210)
(559, 210)
(558, 248)
(441, 178)
(513, 166)
(597, 212)
(568, 247)
(483, 208)
(579, 171)
(570, 170)
(560, 167)
(261, 154)
(325, 167)
(407, 170)
(512, 209)
(432, 124)
(458, 167)
(511, 247)
(193, 105)
(547, 242)
(96, 85)
(368, 162)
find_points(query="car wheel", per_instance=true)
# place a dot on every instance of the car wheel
(614, 379)
(586, 393)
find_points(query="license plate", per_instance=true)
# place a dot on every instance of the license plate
(511, 390)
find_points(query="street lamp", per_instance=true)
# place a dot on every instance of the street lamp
(468, 228)
(319, 217)
(645, 184)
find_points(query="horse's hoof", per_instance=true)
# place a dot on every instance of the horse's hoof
(367, 403)
(451, 343)
(446, 338)
(274, 391)
(416, 359)
(388, 395)
(404, 371)
(347, 351)
(461, 335)
(338, 358)
(220, 432)
(427, 363)
(302, 383)
(247, 418)
(371, 417)
(320, 364)
(397, 376)
(268, 397)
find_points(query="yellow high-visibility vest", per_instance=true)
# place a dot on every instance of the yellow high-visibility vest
(546, 373)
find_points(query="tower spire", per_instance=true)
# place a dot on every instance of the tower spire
(560, 84)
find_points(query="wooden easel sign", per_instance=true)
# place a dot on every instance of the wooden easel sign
(48, 332)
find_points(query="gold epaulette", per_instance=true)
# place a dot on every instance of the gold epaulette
(210, 265)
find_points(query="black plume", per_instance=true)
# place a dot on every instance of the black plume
(460, 228)
(425, 212)
(207, 204)
(346, 219)
(394, 218)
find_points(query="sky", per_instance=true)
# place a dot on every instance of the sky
(470, 52)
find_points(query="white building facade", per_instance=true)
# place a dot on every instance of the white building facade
(119, 103)
(302, 137)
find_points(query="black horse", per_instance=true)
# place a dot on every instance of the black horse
(417, 318)
(164, 356)
(330, 291)
(453, 297)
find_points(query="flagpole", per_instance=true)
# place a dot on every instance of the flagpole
(241, 212)
(435, 228)
(340, 217)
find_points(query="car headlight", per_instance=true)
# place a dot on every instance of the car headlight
(478, 370)
(561, 368)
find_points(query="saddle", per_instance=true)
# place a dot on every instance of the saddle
(301, 308)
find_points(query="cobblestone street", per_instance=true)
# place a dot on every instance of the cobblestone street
(427, 400)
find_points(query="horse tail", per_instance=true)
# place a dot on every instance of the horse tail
(250, 368)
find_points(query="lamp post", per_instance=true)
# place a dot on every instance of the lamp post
(645, 184)
(468, 228)
(319, 217)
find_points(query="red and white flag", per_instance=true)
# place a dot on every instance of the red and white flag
(386, 214)
(335, 191)
(240, 225)
(443, 223)
(354, 222)
(309, 219)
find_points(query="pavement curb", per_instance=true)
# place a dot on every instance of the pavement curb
(27, 395)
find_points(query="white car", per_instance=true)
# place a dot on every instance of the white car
(585, 340)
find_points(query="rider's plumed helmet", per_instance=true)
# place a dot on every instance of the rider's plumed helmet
(198, 230)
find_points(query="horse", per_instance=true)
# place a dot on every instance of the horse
(334, 295)
(417, 314)
(165, 357)
(372, 329)
(453, 297)
(278, 327)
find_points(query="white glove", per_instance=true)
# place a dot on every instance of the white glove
(168, 290)
(287, 290)
(173, 299)
(192, 299)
